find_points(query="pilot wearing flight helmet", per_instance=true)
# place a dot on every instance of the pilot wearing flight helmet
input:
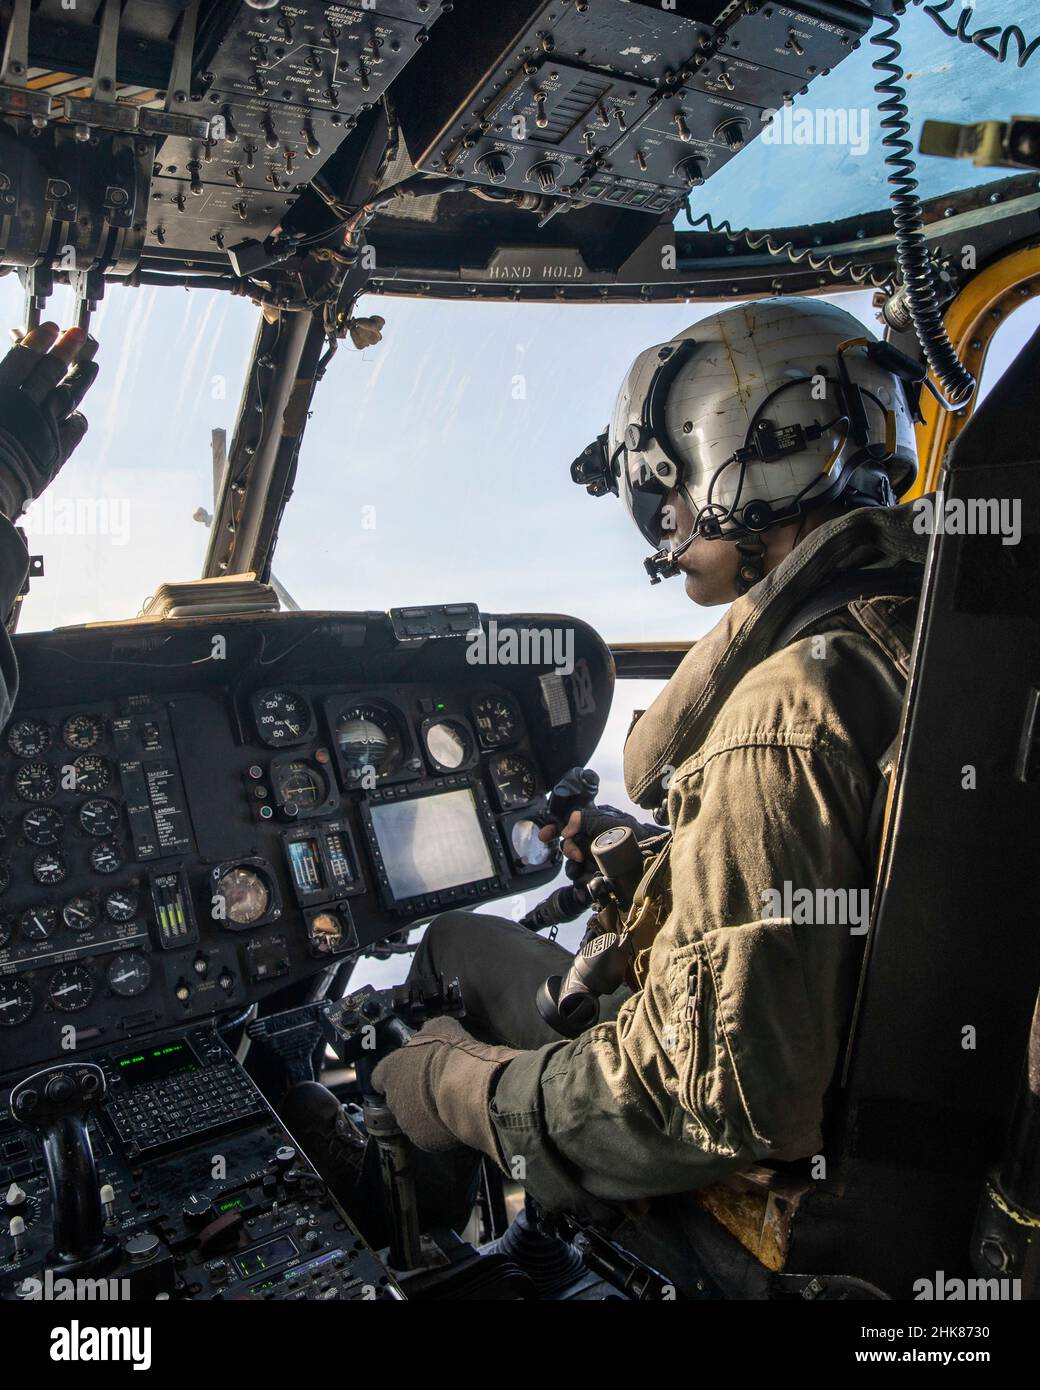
(761, 452)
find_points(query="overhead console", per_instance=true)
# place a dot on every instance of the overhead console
(198, 815)
(160, 138)
(614, 102)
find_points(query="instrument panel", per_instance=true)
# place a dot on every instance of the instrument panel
(191, 836)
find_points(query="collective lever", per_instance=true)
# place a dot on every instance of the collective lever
(55, 1104)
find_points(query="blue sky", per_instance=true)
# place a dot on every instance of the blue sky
(945, 80)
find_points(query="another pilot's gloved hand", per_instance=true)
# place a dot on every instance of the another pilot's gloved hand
(583, 827)
(439, 1087)
(42, 381)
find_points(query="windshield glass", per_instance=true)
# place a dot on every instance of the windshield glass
(434, 467)
(824, 157)
(117, 521)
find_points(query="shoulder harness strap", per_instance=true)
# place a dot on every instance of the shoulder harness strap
(847, 588)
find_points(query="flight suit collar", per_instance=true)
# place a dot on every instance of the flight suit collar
(677, 722)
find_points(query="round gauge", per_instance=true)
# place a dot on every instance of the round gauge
(497, 719)
(448, 744)
(527, 847)
(326, 932)
(515, 779)
(128, 974)
(43, 827)
(105, 858)
(71, 988)
(39, 923)
(121, 905)
(35, 782)
(301, 785)
(369, 742)
(81, 732)
(245, 894)
(16, 1002)
(5, 875)
(93, 774)
(28, 738)
(282, 718)
(80, 913)
(99, 817)
(49, 867)
(7, 925)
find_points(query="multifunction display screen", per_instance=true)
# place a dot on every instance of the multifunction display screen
(430, 843)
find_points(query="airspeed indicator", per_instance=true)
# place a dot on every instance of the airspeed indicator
(282, 718)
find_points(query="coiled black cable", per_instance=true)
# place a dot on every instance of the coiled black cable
(841, 270)
(956, 382)
(1027, 48)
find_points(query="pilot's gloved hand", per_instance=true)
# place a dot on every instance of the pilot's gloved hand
(439, 1087)
(42, 381)
(583, 827)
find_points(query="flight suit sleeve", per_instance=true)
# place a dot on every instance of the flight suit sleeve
(14, 564)
(724, 1056)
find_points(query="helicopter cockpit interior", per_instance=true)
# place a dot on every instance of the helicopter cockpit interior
(226, 814)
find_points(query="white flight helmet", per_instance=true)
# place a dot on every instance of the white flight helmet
(757, 415)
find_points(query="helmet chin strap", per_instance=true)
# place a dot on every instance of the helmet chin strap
(752, 565)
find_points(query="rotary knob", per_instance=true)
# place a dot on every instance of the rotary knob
(546, 175)
(690, 171)
(733, 132)
(493, 166)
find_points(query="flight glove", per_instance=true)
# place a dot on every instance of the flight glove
(594, 821)
(39, 421)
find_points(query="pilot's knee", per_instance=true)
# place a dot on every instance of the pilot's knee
(440, 939)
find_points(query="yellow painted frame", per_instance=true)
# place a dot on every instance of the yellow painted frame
(985, 303)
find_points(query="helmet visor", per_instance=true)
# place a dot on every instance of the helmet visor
(646, 498)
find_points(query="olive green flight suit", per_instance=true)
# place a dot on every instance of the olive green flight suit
(773, 767)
